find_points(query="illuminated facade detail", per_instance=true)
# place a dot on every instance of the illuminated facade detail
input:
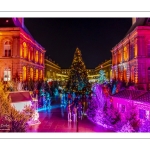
(132, 55)
(37, 74)
(24, 73)
(7, 48)
(36, 57)
(18, 49)
(31, 73)
(25, 50)
(52, 70)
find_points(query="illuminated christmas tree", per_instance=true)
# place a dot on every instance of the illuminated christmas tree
(78, 78)
(102, 77)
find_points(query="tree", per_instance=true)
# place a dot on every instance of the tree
(102, 77)
(78, 78)
(111, 115)
(16, 121)
(127, 128)
(131, 117)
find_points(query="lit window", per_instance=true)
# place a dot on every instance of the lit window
(36, 57)
(36, 74)
(24, 73)
(25, 50)
(7, 49)
(7, 75)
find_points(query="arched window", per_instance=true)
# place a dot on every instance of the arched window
(7, 48)
(125, 54)
(149, 74)
(31, 73)
(36, 56)
(25, 50)
(24, 73)
(37, 74)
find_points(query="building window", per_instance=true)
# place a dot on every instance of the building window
(125, 54)
(37, 75)
(36, 56)
(25, 50)
(31, 73)
(7, 75)
(7, 49)
(142, 114)
(24, 73)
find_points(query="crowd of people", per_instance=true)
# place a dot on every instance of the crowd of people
(77, 105)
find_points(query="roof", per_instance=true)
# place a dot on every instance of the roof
(10, 22)
(14, 22)
(139, 22)
(20, 96)
(137, 95)
(129, 94)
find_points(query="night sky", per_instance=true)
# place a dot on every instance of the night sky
(95, 37)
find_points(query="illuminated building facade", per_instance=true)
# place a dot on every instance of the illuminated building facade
(21, 57)
(131, 56)
(52, 70)
(91, 75)
(107, 67)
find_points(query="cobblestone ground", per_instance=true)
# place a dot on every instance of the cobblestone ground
(55, 120)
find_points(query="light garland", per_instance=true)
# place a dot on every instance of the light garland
(31, 41)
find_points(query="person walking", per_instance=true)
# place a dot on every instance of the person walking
(69, 98)
(75, 114)
(69, 113)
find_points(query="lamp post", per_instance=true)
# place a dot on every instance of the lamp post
(77, 120)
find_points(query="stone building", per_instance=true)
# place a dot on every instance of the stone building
(52, 70)
(21, 57)
(131, 56)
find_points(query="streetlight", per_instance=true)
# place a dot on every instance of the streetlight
(77, 121)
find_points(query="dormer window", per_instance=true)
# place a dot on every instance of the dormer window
(7, 49)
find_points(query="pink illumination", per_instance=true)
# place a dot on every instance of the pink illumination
(31, 41)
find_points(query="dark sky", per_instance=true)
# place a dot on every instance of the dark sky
(95, 37)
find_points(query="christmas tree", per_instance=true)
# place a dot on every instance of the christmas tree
(102, 77)
(78, 78)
